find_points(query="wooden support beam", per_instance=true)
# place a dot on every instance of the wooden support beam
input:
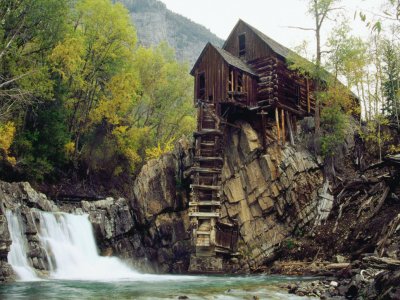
(298, 112)
(206, 170)
(308, 96)
(205, 187)
(289, 125)
(207, 132)
(205, 203)
(283, 127)
(208, 158)
(263, 125)
(278, 130)
(204, 214)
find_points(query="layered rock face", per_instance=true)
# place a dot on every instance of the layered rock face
(6, 272)
(270, 195)
(22, 200)
(160, 207)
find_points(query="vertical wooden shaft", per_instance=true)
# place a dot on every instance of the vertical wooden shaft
(278, 130)
(290, 127)
(308, 96)
(283, 127)
(233, 81)
(263, 128)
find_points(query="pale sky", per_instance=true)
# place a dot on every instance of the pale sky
(269, 16)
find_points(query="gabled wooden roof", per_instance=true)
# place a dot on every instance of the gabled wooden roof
(274, 45)
(227, 57)
(282, 50)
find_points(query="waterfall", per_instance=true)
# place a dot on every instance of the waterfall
(70, 247)
(17, 255)
(72, 250)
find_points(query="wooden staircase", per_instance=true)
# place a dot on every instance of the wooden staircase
(204, 207)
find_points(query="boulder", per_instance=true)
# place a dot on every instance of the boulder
(155, 188)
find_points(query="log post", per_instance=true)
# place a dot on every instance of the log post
(308, 96)
(278, 130)
(289, 125)
(283, 127)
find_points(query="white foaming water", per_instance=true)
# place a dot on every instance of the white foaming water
(71, 251)
(17, 255)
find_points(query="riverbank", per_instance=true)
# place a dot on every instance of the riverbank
(369, 278)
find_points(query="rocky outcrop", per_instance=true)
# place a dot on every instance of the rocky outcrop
(270, 194)
(22, 199)
(6, 272)
(155, 189)
(160, 208)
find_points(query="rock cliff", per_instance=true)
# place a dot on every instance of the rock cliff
(271, 195)
(155, 24)
(23, 200)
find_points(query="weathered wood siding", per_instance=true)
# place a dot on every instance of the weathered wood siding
(216, 75)
(247, 94)
(255, 47)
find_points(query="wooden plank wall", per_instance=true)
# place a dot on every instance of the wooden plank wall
(255, 47)
(216, 75)
(249, 85)
(216, 72)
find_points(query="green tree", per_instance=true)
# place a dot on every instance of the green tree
(28, 31)
(165, 102)
(99, 47)
(391, 84)
(320, 10)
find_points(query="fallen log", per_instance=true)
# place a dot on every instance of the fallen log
(337, 266)
(381, 263)
(381, 201)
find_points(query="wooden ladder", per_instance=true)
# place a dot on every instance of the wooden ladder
(204, 207)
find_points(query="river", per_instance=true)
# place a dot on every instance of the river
(77, 271)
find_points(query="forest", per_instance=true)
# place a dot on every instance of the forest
(79, 96)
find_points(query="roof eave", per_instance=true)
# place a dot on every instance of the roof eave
(199, 58)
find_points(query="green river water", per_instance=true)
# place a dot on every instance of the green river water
(154, 287)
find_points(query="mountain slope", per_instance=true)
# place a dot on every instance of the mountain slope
(155, 23)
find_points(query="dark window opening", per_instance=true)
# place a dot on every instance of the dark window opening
(201, 86)
(242, 44)
(210, 98)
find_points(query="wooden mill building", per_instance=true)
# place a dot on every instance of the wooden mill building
(248, 76)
